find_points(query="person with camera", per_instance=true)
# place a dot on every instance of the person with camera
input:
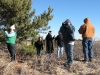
(11, 41)
(67, 30)
(39, 46)
(87, 30)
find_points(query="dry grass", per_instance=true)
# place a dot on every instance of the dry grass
(51, 66)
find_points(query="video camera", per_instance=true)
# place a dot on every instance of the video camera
(2, 27)
(64, 24)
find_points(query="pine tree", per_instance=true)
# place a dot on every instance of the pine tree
(19, 12)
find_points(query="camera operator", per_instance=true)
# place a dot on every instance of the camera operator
(11, 41)
(67, 30)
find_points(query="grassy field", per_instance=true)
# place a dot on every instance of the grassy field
(50, 66)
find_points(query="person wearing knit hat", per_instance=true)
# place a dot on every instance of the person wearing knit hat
(12, 27)
(11, 41)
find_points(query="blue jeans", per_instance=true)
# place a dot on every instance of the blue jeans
(69, 53)
(59, 52)
(11, 48)
(87, 48)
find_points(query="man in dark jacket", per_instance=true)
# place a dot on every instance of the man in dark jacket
(59, 40)
(67, 30)
(49, 43)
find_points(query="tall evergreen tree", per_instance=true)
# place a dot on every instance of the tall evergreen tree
(19, 12)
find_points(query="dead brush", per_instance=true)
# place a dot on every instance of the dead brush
(75, 68)
(47, 64)
(92, 66)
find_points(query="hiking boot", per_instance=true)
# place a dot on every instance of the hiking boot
(90, 60)
(85, 61)
(66, 65)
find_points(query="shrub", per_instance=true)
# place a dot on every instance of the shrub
(27, 50)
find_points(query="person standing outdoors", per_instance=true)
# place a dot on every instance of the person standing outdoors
(67, 30)
(49, 44)
(87, 30)
(39, 46)
(60, 44)
(11, 41)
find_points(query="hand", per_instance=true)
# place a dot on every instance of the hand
(5, 29)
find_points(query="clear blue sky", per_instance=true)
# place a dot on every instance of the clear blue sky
(75, 10)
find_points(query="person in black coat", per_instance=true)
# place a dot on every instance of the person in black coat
(59, 39)
(39, 46)
(49, 43)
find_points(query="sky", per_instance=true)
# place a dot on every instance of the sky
(75, 10)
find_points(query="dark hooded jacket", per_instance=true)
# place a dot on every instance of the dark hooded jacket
(59, 40)
(49, 43)
(67, 29)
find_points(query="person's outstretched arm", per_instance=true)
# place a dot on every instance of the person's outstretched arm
(9, 34)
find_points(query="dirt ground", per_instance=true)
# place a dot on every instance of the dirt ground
(50, 66)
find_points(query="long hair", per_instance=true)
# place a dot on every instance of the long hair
(41, 39)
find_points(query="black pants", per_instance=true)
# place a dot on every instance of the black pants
(11, 49)
(38, 51)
